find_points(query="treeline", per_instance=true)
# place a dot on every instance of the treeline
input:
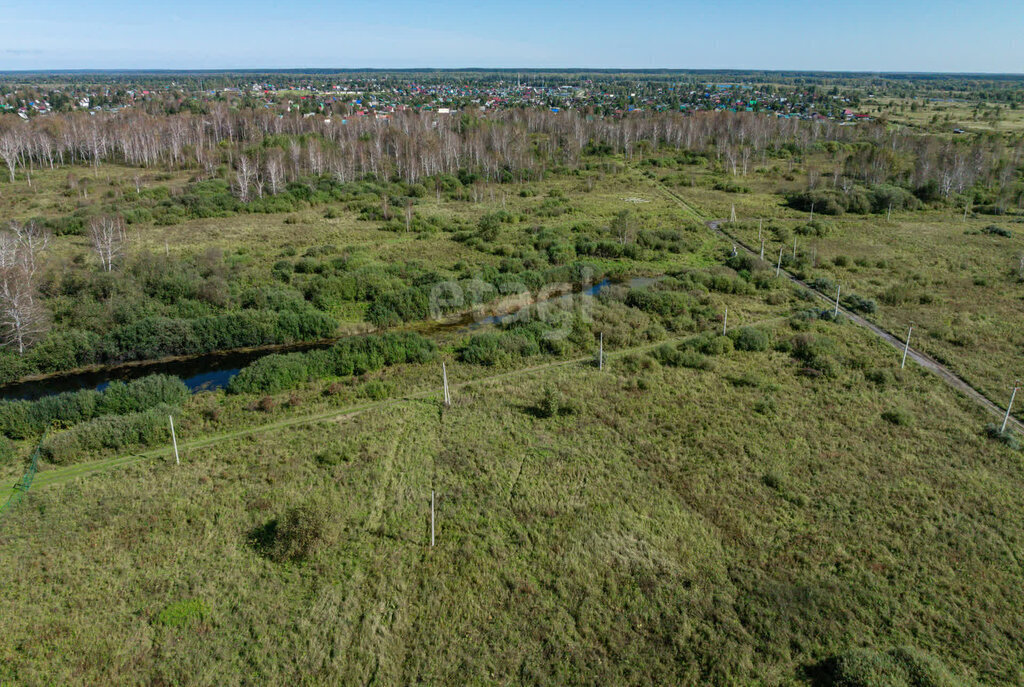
(259, 154)
(354, 356)
(23, 419)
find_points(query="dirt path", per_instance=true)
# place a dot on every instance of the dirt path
(922, 359)
(925, 361)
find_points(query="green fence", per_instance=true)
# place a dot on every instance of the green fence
(25, 483)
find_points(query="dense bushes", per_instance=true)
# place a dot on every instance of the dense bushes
(750, 339)
(21, 419)
(878, 199)
(1006, 437)
(859, 304)
(673, 356)
(391, 309)
(997, 230)
(155, 337)
(357, 355)
(109, 432)
(709, 343)
(816, 352)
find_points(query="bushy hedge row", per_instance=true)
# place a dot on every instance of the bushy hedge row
(522, 340)
(155, 337)
(21, 419)
(143, 428)
(357, 355)
(878, 199)
(413, 303)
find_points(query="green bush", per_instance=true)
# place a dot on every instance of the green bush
(375, 390)
(157, 337)
(750, 339)
(859, 304)
(709, 343)
(21, 419)
(996, 230)
(550, 403)
(1004, 437)
(356, 355)
(303, 531)
(109, 432)
(901, 667)
(901, 417)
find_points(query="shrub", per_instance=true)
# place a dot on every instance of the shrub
(901, 667)
(816, 352)
(859, 304)
(303, 531)
(22, 419)
(375, 390)
(901, 417)
(109, 432)
(64, 350)
(815, 227)
(1004, 437)
(750, 339)
(391, 309)
(282, 270)
(549, 403)
(998, 231)
(709, 343)
(356, 355)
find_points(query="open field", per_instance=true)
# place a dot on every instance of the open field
(750, 492)
(958, 286)
(742, 524)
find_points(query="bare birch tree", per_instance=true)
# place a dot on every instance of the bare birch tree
(23, 320)
(107, 235)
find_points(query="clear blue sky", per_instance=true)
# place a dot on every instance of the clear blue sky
(873, 35)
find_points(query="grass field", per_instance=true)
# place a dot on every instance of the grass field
(957, 285)
(737, 525)
(775, 516)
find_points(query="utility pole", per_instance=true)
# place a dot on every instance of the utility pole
(836, 313)
(447, 394)
(778, 267)
(174, 439)
(1016, 385)
(759, 223)
(725, 321)
(600, 352)
(906, 346)
(762, 252)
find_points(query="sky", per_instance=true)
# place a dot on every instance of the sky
(864, 35)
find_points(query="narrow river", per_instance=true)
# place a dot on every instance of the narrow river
(214, 370)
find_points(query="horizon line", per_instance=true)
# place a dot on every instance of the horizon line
(548, 70)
